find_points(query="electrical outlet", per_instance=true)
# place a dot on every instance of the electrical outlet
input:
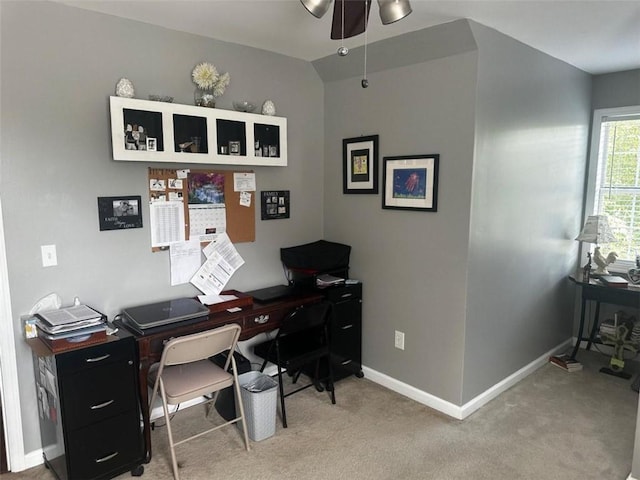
(49, 256)
(399, 340)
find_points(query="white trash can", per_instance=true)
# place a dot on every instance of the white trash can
(259, 394)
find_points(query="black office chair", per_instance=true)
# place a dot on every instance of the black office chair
(300, 346)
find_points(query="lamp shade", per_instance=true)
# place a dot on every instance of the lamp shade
(393, 10)
(596, 230)
(317, 8)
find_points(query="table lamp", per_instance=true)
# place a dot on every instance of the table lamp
(596, 230)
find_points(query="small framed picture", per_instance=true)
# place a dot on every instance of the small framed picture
(411, 182)
(234, 147)
(275, 204)
(360, 165)
(119, 213)
(151, 144)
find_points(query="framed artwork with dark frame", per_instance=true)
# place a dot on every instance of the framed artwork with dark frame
(119, 213)
(411, 182)
(275, 204)
(360, 164)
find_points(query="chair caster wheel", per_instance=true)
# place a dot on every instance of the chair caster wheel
(137, 471)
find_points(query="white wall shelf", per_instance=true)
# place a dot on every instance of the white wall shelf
(149, 131)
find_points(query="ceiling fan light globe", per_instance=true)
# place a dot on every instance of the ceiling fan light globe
(317, 8)
(393, 10)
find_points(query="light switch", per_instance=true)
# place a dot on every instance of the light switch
(49, 256)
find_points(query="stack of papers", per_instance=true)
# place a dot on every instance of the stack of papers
(327, 280)
(67, 322)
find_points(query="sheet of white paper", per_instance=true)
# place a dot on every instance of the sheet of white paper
(167, 223)
(186, 258)
(213, 299)
(245, 199)
(222, 244)
(213, 275)
(244, 182)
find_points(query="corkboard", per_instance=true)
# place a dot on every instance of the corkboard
(240, 219)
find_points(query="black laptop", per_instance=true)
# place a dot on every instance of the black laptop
(164, 313)
(271, 294)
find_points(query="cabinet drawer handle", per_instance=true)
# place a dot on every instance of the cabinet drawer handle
(97, 359)
(261, 319)
(108, 457)
(102, 405)
(346, 362)
(347, 295)
(345, 327)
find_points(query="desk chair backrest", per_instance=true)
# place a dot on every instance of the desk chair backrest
(200, 346)
(306, 318)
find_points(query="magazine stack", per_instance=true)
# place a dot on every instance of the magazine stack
(67, 328)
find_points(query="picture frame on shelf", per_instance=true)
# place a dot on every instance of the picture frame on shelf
(411, 182)
(120, 213)
(360, 165)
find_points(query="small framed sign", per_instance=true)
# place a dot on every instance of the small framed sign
(118, 213)
(275, 204)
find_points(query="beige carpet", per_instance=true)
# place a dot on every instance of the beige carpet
(553, 425)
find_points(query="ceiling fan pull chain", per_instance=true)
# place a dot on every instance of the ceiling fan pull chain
(342, 51)
(365, 82)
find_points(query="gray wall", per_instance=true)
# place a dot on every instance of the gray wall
(499, 223)
(620, 89)
(412, 263)
(59, 66)
(531, 146)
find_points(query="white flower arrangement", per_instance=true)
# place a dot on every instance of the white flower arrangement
(205, 75)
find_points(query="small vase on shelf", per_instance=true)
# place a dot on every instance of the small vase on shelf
(204, 98)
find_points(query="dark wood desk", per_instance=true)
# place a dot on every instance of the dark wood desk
(599, 293)
(254, 319)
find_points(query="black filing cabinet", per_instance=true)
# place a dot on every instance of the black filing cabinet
(346, 329)
(89, 410)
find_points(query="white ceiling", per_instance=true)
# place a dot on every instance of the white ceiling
(597, 36)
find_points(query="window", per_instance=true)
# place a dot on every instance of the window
(615, 185)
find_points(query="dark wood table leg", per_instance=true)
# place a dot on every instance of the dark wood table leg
(580, 328)
(594, 327)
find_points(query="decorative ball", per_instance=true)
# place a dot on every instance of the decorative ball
(124, 88)
(268, 108)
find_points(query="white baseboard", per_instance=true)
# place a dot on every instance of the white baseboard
(630, 477)
(33, 459)
(457, 411)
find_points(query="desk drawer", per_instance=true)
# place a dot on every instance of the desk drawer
(95, 394)
(95, 356)
(343, 293)
(105, 449)
(264, 320)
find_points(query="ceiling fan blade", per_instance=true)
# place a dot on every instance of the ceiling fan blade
(355, 22)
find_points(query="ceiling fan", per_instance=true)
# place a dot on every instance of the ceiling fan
(355, 18)
(350, 18)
